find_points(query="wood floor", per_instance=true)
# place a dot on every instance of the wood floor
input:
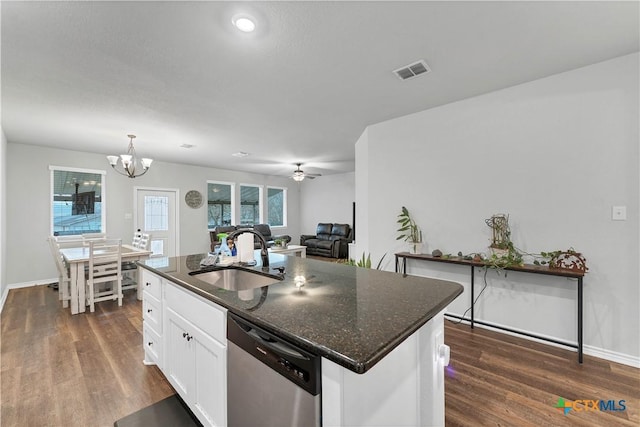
(495, 379)
(86, 370)
(64, 370)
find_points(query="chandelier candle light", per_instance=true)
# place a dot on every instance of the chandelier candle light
(129, 161)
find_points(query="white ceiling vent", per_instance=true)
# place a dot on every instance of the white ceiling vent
(412, 70)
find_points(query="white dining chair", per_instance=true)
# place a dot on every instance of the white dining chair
(105, 265)
(136, 238)
(93, 237)
(129, 268)
(64, 279)
(73, 241)
(144, 241)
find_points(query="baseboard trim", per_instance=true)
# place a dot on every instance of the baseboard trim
(10, 286)
(601, 353)
(613, 356)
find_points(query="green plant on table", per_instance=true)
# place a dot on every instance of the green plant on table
(409, 231)
(512, 258)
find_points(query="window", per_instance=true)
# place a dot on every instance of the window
(276, 206)
(220, 196)
(76, 201)
(156, 213)
(250, 197)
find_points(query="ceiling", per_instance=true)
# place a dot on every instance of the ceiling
(82, 75)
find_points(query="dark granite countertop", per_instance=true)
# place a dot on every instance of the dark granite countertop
(353, 316)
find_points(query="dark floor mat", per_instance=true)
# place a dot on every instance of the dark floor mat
(170, 412)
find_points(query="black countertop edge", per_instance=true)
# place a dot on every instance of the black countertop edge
(358, 367)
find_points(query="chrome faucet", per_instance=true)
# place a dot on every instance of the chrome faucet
(264, 254)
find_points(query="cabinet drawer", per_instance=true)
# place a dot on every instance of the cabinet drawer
(206, 315)
(152, 284)
(152, 311)
(152, 343)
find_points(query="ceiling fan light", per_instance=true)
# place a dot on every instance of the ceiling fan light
(298, 176)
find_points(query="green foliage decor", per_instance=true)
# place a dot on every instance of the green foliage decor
(569, 259)
(409, 230)
(365, 261)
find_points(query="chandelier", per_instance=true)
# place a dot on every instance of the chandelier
(130, 162)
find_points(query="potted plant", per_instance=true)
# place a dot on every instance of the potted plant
(365, 261)
(409, 231)
(281, 243)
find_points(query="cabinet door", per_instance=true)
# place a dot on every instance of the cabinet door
(210, 393)
(195, 365)
(179, 354)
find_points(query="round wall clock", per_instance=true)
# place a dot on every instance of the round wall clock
(193, 199)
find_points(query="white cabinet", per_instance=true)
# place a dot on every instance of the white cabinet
(195, 357)
(152, 318)
(405, 388)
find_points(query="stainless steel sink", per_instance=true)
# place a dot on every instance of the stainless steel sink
(235, 279)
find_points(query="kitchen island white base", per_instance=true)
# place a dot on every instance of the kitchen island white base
(405, 388)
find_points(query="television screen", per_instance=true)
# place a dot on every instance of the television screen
(83, 203)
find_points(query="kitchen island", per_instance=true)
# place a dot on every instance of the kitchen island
(380, 334)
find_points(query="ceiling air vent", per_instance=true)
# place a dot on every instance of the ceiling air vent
(412, 70)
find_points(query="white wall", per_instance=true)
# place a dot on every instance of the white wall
(28, 208)
(3, 216)
(326, 199)
(555, 154)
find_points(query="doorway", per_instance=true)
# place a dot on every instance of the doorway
(156, 215)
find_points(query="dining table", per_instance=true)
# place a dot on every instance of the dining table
(78, 260)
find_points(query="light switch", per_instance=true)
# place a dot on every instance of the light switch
(128, 215)
(619, 213)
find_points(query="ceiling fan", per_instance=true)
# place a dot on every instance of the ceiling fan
(299, 175)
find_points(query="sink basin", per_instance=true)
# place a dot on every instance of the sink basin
(235, 279)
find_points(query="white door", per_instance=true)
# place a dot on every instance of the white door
(157, 216)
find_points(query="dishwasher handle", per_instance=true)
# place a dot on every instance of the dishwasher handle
(238, 327)
(277, 347)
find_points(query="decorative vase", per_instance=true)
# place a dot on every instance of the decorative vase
(415, 247)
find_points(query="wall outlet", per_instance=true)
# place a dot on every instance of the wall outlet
(619, 213)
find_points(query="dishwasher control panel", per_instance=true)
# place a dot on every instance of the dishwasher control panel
(294, 370)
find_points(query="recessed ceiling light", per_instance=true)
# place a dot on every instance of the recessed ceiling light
(187, 146)
(244, 23)
(240, 154)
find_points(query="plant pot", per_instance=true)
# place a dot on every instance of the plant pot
(499, 252)
(415, 248)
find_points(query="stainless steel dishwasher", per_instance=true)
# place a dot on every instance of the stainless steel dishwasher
(270, 382)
